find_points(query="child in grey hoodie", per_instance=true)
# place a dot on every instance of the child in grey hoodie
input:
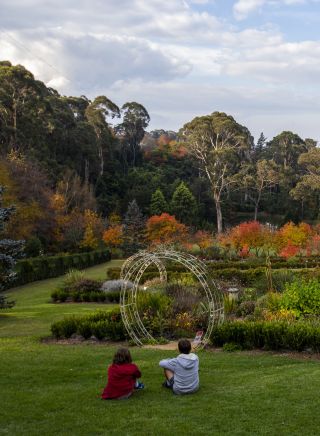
(182, 372)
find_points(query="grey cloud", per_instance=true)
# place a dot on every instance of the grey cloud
(91, 60)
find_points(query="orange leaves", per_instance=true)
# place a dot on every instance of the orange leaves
(289, 251)
(165, 228)
(113, 237)
(248, 235)
(203, 239)
(293, 238)
(289, 241)
(296, 235)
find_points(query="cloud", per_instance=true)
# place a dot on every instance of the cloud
(243, 8)
(176, 58)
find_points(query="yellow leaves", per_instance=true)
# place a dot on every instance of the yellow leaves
(296, 235)
(89, 240)
(58, 203)
(93, 229)
(24, 221)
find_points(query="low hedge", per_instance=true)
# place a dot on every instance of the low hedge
(275, 335)
(277, 263)
(97, 296)
(245, 276)
(40, 268)
(100, 324)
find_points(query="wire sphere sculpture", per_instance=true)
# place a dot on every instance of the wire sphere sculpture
(132, 272)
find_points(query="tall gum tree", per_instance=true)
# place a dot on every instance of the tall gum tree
(219, 144)
(96, 114)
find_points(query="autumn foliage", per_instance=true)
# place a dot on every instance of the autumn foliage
(290, 240)
(113, 236)
(248, 237)
(165, 228)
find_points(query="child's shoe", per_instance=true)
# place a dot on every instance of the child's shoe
(168, 383)
(139, 385)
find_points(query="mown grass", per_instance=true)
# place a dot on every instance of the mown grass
(34, 312)
(53, 389)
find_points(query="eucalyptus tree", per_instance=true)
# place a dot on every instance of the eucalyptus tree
(96, 114)
(135, 120)
(285, 149)
(309, 183)
(219, 144)
(22, 107)
(256, 178)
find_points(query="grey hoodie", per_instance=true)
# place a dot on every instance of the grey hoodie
(185, 368)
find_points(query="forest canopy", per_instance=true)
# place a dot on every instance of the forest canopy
(71, 165)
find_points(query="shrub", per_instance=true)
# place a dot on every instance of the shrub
(86, 286)
(231, 347)
(33, 247)
(29, 270)
(276, 335)
(185, 298)
(302, 297)
(153, 303)
(101, 324)
(65, 328)
(59, 295)
(230, 304)
(112, 297)
(72, 277)
(77, 288)
(246, 308)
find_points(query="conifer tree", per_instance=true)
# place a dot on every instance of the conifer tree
(9, 251)
(183, 204)
(158, 203)
(133, 228)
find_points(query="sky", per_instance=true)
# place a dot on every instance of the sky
(257, 60)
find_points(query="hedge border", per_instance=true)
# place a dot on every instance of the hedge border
(41, 268)
(270, 335)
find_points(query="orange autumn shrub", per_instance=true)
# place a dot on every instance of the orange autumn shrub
(295, 234)
(203, 239)
(165, 228)
(248, 236)
(113, 236)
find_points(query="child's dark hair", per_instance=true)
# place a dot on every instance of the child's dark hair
(184, 346)
(122, 356)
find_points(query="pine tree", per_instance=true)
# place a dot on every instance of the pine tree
(9, 251)
(133, 229)
(158, 203)
(183, 204)
(261, 143)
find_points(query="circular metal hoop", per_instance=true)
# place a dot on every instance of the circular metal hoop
(132, 271)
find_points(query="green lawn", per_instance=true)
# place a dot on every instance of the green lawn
(49, 389)
(34, 313)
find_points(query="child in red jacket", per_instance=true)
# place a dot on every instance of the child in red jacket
(122, 377)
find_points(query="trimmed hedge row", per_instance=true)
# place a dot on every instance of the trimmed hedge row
(275, 335)
(100, 324)
(40, 268)
(97, 296)
(244, 276)
(277, 263)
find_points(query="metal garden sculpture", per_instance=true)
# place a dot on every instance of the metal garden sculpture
(132, 271)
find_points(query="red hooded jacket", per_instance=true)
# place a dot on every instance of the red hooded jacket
(121, 380)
